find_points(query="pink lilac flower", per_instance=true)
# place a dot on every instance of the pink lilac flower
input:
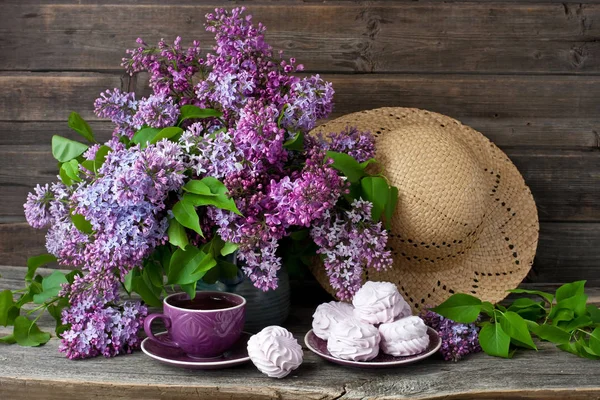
(350, 242)
(458, 340)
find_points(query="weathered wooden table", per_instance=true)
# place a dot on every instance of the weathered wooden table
(44, 373)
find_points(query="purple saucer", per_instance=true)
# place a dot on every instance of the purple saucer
(319, 347)
(236, 355)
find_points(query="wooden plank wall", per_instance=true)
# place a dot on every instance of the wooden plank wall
(525, 73)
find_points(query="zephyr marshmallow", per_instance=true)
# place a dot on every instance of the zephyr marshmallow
(379, 302)
(353, 340)
(275, 351)
(404, 337)
(329, 314)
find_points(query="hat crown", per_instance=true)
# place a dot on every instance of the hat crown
(442, 190)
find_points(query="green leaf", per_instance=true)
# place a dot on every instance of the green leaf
(229, 248)
(8, 309)
(64, 149)
(144, 136)
(487, 308)
(390, 206)
(51, 286)
(34, 288)
(33, 263)
(295, 143)
(177, 235)
(365, 164)
(185, 213)
(190, 289)
(189, 265)
(594, 313)
(90, 165)
(570, 290)
(551, 333)
(494, 341)
(460, 307)
(64, 177)
(154, 273)
(81, 223)
(377, 191)
(28, 334)
(140, 286)
(79, 125)
(347, 165)
(523, 302)
(128, 281)
(71, 275)
(166, 133)
(595, 341)
(101, 156)
(215, 185)
(71, 170)
(560, 315)
(227, 270)
(194, 112)
(516, 327)
(579, 322)
(220, 201)
(576, 303)
(199, 187)
(547, 296)
(8, 339)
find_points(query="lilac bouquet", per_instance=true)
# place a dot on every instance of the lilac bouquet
(216, 161)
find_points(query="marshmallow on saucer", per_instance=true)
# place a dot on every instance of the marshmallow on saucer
(353, 340)
(404, 337)
(329, 314)
(275, 352)
(379, 302)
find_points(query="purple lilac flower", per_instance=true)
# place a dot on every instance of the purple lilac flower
(124, 205)
(350, 242)
(458, 340)
(120, 108)
(310, 100)
(170, 67)
(101, 328)
(157, 111)
(358, 144)
(261, 264)
(211, 155)
(37, 210)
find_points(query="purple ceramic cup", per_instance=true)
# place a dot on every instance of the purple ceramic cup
(204, 327)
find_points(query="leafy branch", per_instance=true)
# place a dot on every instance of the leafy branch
(563, 318)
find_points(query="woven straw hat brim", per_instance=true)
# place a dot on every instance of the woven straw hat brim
(465, 221)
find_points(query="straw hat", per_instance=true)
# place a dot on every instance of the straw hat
(465, 220)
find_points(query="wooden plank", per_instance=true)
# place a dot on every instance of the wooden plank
(336, 36)
(51, 96)
(43, 372)
(566, 251)
(565, 184)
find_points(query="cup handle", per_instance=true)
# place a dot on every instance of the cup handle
(148, 329)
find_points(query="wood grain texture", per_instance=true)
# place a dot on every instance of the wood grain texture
(43, 372)
(325, 36)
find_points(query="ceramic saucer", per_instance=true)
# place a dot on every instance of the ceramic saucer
(319, 347)
(237, 355)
